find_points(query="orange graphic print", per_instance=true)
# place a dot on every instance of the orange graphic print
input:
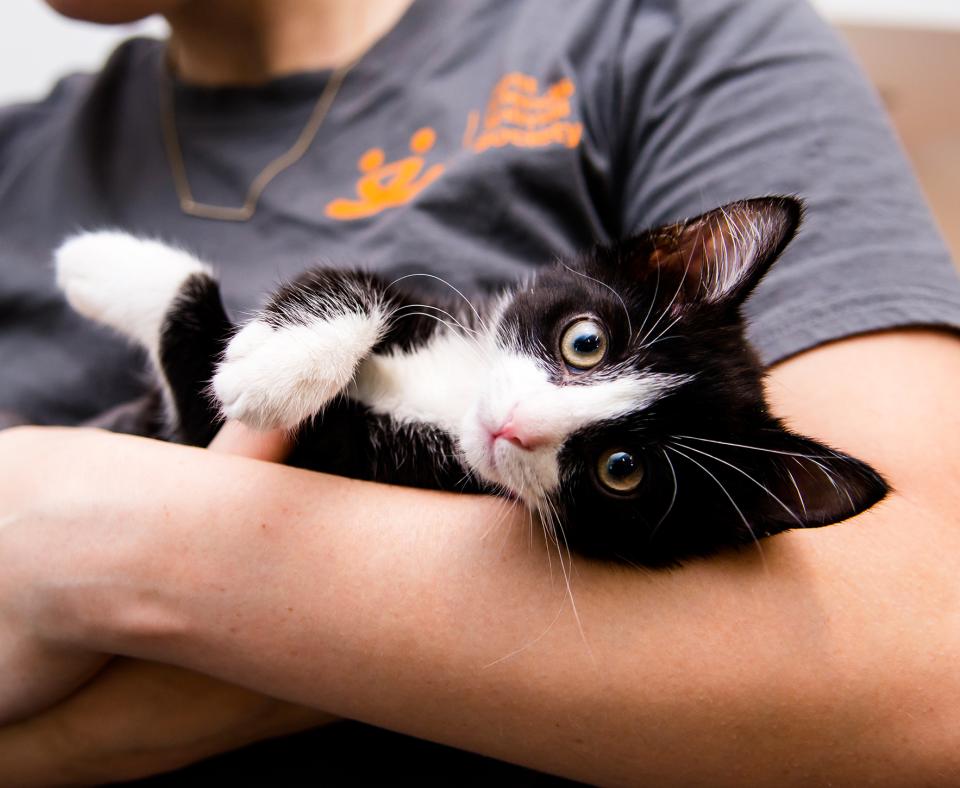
(385, 184)
(519, 114)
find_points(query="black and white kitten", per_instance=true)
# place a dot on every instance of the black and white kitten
(615, 394)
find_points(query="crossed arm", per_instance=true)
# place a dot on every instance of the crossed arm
(831, 655)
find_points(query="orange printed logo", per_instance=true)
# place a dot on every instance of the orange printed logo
(519, 114)
(385, 184)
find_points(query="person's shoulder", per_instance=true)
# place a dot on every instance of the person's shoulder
(726, 24)
(716, 10)
(26, 117)
(29, 124)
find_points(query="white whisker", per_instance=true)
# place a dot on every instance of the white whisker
(444, 282)
(673, 499)
(623, 303)
(453, 318)
(657, 338)
(754, 448)
(676, 295)
(532, 643)
(475, 347)
(797, 488)
(744, 473)
(549, 536)
(653, 301)
(567, 572)
(816, 460)
(729, 498)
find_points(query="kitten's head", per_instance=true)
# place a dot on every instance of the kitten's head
(627, 407)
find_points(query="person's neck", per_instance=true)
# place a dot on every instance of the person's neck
(249, 42)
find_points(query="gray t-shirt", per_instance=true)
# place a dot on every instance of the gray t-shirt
(475, 140)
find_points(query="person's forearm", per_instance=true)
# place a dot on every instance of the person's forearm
(832, 657)
(137, 718)
(461, 635)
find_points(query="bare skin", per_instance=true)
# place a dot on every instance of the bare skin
(832, 658)
(141, 718)
(247, 42)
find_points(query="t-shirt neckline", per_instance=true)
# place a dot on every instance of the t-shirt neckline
(295, 89)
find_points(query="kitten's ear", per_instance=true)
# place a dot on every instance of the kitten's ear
(807, 484)
(720, 256)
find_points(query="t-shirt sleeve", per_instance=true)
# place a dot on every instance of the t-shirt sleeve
(722, 100)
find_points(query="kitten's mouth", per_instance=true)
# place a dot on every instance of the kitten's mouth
(492, 462)
(511, 453)
(523, 474)
(494, 466)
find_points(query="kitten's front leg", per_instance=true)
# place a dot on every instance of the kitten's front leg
(303, 349)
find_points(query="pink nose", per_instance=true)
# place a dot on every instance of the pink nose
(518, 436)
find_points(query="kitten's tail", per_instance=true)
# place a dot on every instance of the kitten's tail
(163, 299)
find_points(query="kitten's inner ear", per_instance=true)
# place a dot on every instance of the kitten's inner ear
(807, 485)
(720, 256)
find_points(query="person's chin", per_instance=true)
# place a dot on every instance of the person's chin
(112, 12)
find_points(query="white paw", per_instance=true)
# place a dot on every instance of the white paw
(273, 378)
(124, 282)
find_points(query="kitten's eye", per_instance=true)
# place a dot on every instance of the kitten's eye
(584, 344)
(619, 471)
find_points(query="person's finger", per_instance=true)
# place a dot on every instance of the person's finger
(235, 438)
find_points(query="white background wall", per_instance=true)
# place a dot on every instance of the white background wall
(914, 13)
(36, 45)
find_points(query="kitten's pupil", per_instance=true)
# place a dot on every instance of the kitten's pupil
(619, 471)
(587, 343)
(621, 465)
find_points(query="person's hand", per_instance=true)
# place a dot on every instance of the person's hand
(133, 719)
(40, 510)
(67, 495)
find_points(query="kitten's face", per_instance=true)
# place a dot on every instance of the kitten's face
(565, 364)
(625, 406)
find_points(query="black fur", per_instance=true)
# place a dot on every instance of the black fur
(193, 337)
(719, 470)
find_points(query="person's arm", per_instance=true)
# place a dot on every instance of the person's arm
(831, 656)
(135, 719)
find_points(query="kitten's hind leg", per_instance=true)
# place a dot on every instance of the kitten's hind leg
(123, 282)
(303, 349)
(164, 300)
(193, 338)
